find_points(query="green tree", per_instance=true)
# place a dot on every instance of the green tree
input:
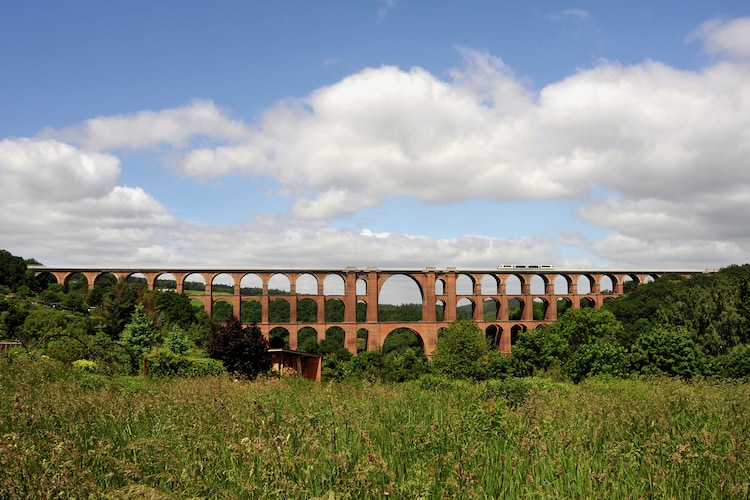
(243, 350)
(174, 308)
(12, 270)
(139, 335)
(666, 351)
(176, 341)
(461, 351)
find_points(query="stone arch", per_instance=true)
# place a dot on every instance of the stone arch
(251, 285)
(515, 331)
(307, 311)
(279, 284)
(465, 284)
(586, 284)
(361, 287)
(76, 282)
(587, 302)
(105, 280)
(222, 284)
(401, 338)
(491, 309)
(563, 304)
(165, 281)
(541, 308)
(251, 311)
(400, 289)
(465, 308)
(490, 284)
(363, 337)
(361, 311)
(221, 310)
(562, 284)
(493, 334)
(440, 286)
(607, 283)
(334, 310)
(408, 285)
(335, 339)
(439, 310)
(306, 284)
(514, 284)
(538, 284)
(194, 284)
(307, 339)
(279, 310)
(516, 306)
(278, 338)
(334, 285)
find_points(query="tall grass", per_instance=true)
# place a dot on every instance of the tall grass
(70, 434)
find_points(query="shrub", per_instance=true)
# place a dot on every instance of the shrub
(461, 351)
(84, 365)
(666, 351)
(243, 350)
(598, 358)
(176, 341)
(165, 363)
(737, 362)
(513, 390)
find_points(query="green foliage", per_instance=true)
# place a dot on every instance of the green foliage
(176, 341)
(583, 326)
(403, 312)
(401, 339)
(736, 363)
(307, 311)
(85, 365)
(513, 390)
(597, 358)
(117, 309)
(251, 311)
(138, 437)
(307, 340)
(278, 338)
(221, 311)
(400, 366)
(334, 311)
(243, 350)
(538, 351)
(461, 351)
(165, 363)
(666, 351)
(174, 308)
(139, 335)
(12, 270)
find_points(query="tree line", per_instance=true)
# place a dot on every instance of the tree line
(674, 326)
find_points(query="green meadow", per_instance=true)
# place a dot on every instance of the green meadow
(67, 433)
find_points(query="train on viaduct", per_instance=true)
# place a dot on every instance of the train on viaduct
(500, 300)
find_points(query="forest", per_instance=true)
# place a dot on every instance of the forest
(674, 326)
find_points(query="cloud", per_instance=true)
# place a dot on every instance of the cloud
(669, 147)
(174, 127)
(59, 200)
(725, 37)
(571, 14)
(386, 6)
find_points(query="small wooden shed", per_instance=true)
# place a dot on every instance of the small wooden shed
(303, 364)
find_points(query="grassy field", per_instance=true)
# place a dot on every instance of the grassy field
(66, 434)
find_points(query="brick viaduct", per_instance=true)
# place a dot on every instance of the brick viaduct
(445, 289)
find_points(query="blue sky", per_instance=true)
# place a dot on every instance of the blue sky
(376, 133)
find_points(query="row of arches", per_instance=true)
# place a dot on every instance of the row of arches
(308, 310)
(403, 286)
